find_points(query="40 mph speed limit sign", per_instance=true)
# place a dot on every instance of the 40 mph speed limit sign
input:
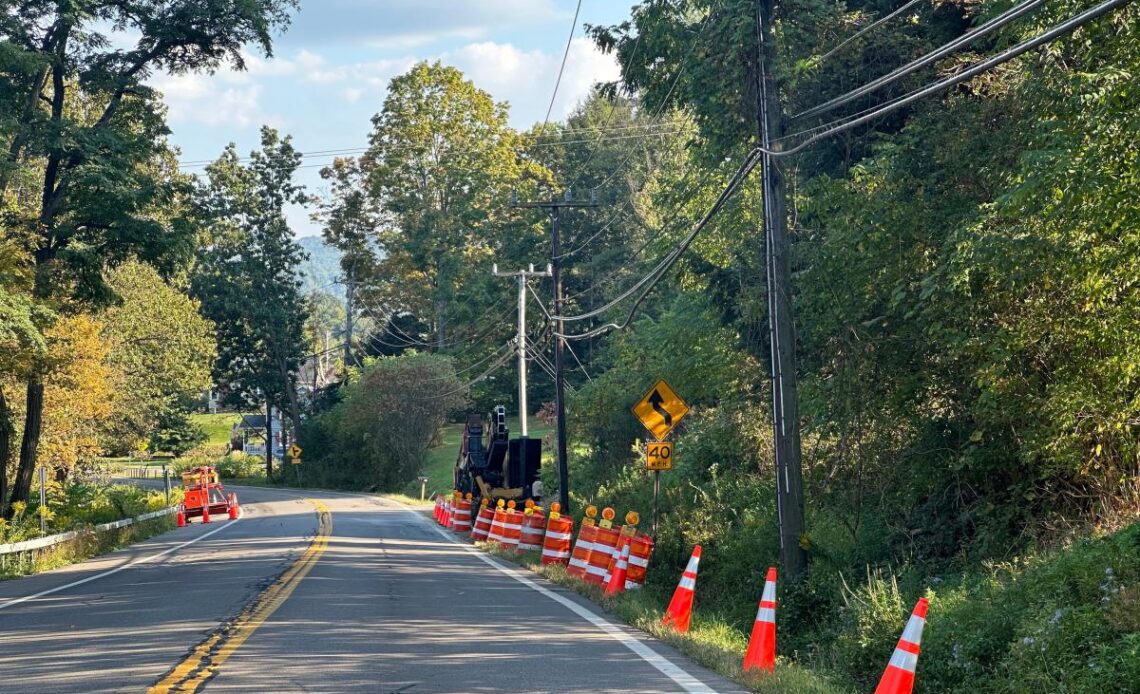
(658, 455)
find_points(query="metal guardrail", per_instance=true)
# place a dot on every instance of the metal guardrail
(60, 538)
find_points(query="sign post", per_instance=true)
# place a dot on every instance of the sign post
(43, 500)
(660, 410)
(295, 458)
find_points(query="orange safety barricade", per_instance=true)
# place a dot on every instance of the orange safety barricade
(556, 544)
(512, 528)
(605, 546)
(583, 548)
(482, 523)
(495, 534)
(534, 525)
(640, 550)
(438, 508)
(461, 516)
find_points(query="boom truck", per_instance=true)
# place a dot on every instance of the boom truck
(490, 465)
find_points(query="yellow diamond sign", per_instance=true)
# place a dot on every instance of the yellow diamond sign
(660, 410)
(295, 451)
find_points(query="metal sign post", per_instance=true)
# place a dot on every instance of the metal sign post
(166, 482)
(658, 457)
(43, 500)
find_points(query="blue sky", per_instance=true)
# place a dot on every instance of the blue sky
(330, 72)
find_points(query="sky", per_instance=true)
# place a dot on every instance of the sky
(329, 73)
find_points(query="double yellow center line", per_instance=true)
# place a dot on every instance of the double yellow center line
(207, 657)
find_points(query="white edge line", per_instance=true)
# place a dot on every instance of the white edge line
(674, 672)
(117, 569)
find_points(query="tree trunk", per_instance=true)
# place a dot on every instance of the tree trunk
(294, 403)
(268, 441)
(33, 421)
(6, 431)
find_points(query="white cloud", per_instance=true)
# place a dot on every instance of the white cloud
(203, 100)
(526, 78)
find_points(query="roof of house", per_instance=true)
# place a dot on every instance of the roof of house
(251, 421)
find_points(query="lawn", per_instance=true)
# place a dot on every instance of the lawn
(216, 426)
(441, 458)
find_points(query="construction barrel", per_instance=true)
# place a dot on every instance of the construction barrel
(534, 525)
(556, 543)
(482, 523)
(461, 516)
(605, 547)
(640, 550)
(583, 548)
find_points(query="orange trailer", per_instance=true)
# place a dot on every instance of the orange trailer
(201, 489)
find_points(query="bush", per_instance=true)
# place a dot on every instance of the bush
(378, 434)
(238, 465)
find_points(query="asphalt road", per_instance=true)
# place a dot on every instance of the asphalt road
(391, 604)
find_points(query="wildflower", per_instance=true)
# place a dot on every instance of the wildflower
(1028, 641)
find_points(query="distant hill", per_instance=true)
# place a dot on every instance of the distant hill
(322, 268)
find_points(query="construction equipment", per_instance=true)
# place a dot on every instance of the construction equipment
(490, 465)
(203, 492)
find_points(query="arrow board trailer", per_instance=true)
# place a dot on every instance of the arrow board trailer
(491, 465)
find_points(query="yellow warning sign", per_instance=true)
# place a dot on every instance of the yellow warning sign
(294, 451)
(658, 455)
(660, 410)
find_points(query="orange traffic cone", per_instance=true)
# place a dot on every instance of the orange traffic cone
(761, 653)
(899, 676)
(180, 517)
(235, 510)
(681, 606)
(617, 578)
(206, 511)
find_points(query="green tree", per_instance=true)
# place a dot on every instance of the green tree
(96, 195)
(247, 275)
(161, 352)
(443, 163)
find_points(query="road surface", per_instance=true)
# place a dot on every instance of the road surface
(318, 592)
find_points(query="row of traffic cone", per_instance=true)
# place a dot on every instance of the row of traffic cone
(761, 653)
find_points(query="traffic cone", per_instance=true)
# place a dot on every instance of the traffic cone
(761, 653)
(617, 578)
(899, 676)
(180, 517)
(206, 511)
(235, 510)
(681, 606)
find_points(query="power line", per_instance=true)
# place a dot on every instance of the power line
(562, 67)
(754, 157)
(978, 32)
(655, 275)
(867, 29)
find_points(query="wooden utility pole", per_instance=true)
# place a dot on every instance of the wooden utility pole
(555, 206)
(523, 278)
(781, 325)
(350, 287)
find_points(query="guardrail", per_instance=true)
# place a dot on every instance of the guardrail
(141, 472)
(60, 538)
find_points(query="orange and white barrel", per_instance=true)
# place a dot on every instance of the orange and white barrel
(438, 513)
(583, 548)
(640, 551)
(482, 523)
(534, 526)
(512, 528)
(461, 516)
(556, 543)
(495, 534)
(605, 546)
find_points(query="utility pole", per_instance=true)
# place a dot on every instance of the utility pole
(781, 326)
(523, 277)
(350, 287)
(559, 342)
